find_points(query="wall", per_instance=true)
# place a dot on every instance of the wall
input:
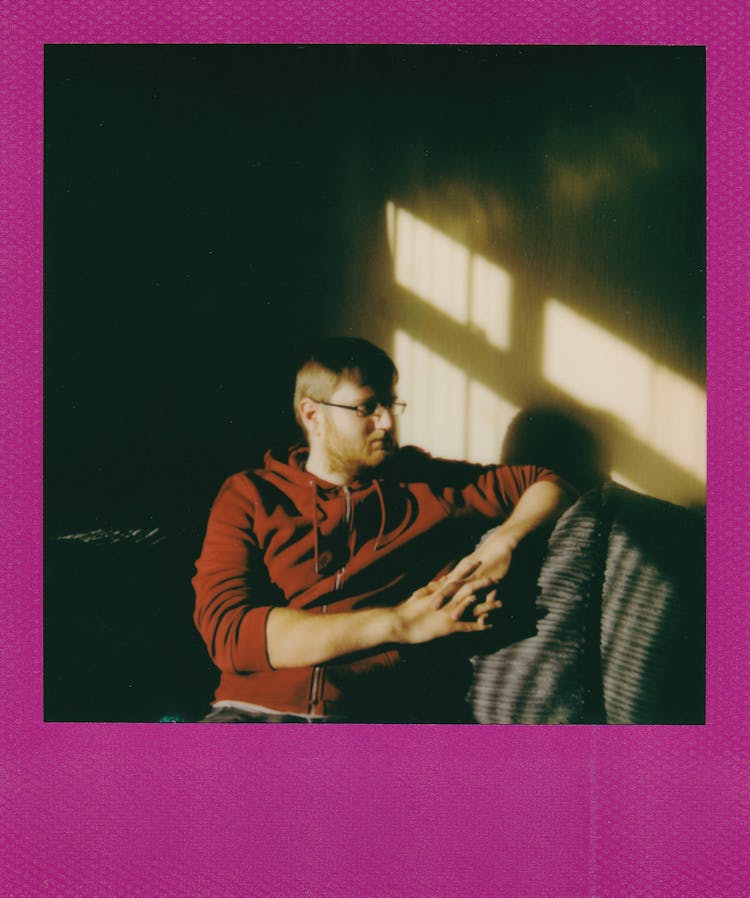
(535, 241)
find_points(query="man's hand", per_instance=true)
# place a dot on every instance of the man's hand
(302, 638)
(485, 567)
(436, 610)
(488, 563)
(297, 638)
(477, 574)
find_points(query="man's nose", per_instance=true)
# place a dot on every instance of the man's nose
(384, 417)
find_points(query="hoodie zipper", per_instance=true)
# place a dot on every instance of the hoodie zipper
(317, 675)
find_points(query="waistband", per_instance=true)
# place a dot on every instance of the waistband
(241, 712)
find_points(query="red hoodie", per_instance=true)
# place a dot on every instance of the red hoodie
(280, 536)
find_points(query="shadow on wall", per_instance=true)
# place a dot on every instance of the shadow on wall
(549, 437)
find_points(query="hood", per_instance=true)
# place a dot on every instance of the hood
(289, 468)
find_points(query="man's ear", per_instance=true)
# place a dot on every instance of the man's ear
(308, 413)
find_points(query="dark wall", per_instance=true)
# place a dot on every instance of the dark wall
(192, 238)
(207, 209)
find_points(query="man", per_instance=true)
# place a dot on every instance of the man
(328, 586)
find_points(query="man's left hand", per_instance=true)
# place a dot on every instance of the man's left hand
(484, 568)
(539, 507)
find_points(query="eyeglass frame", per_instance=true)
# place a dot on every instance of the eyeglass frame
(361, 409)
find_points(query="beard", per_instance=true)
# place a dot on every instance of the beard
(355, 457)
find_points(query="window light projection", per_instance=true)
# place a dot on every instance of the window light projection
(490, 301)
(449, 414)
(663, 409)
(436, 393)
(429, 263)
(626, 481)
(441, 271)
(489, 418)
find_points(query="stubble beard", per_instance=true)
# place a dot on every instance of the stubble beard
(351, 461)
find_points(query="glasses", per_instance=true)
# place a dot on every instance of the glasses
(370, 407)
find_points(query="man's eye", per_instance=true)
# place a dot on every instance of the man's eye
(367, 408)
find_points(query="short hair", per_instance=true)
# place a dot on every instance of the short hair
(334, 359)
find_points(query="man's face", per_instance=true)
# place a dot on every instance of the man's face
(354, 444)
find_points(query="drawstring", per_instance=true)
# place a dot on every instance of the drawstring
(381, 530)
(317, 491)
(315, 525)
(316, 521)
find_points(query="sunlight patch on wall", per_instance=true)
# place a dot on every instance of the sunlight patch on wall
(489, 418)
(490, 301)
(436, 393)
(441, 271)
(663, 409)
(430, 264)
(626, 481)
(449, 414)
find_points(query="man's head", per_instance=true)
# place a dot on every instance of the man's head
(343, 401)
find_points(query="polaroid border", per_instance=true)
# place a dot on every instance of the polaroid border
(140, 809)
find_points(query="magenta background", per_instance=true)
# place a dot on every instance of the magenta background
(146, 810)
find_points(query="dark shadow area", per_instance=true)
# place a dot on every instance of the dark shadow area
(654, 610)
(558, 440)
(122, 646)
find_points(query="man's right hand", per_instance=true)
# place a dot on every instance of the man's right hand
(297, 638)
(437, 610)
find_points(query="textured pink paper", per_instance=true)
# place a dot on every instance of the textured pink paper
(147, 810)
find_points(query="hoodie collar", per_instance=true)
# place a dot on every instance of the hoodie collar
(293, 468)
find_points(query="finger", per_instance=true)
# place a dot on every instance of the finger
(441, 593)
(485, 608)
(464, 568)
(431, 589)
(468, 589)
(479, 585)
(457, 608)
(490, 601)
(472, 626)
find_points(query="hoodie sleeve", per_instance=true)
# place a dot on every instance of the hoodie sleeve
(233, 593)
(496, 491)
